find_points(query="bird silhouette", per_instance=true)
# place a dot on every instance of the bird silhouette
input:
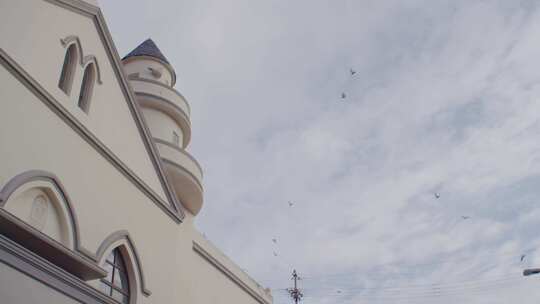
(343, 95)
(352, 72)
(290, 204)
(465, 217)
(437, 195)
(522, 257)
(274, 240)
(338, 291)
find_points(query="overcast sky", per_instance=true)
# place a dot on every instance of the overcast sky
(445, 99)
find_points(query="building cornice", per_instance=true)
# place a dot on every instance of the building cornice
(32, 239)
(29, 263)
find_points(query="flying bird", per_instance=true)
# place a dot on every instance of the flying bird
(522, 257)
(274, 240)
(352, 72)
(343, 96)
(338, 291)
(437, 195)
(465, 217)
(290, 204)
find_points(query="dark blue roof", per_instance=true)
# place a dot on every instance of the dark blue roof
(147, 48)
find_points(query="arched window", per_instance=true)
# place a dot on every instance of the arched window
(41, 205)
(89, 78)
(68, 69)
(116, 283)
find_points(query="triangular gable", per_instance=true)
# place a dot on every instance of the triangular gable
(114, 124)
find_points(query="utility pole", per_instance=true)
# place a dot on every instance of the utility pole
(295, 293)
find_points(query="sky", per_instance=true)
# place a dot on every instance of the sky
(445, 99)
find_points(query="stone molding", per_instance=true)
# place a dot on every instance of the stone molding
(30, 238)
(83, 60)
(34, 266)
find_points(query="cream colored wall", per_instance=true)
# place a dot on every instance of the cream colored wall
(161, 125)
(104, 200)
(16, 287)
(142, 68)
(201, 282)
(36, 46)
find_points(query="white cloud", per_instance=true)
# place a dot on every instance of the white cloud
(445, 99)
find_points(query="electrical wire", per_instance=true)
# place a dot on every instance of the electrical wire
(381, 267)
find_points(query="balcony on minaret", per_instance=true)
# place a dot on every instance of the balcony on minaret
(167, 114)
(185, 174)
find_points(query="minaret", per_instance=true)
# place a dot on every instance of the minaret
(167, 114)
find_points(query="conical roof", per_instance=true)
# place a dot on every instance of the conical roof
(147, 48)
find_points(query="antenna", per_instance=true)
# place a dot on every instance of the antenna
(295, 293)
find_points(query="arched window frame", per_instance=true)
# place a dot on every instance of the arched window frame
(122, 241)
(69, 67)
(90, 72)
(87, 87)
(68, 255)
(117, 282)
(53, 194)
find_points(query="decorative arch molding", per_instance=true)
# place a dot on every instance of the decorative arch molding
(69, 40)
(76, 260)
(69, 68)
(118, 238)
(38, 175)
(92, 59)
(83, 60)
(122, 238)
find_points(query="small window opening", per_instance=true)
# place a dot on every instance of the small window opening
(175, 138)
(68, 69)
(89, 78)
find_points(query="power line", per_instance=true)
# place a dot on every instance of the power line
(478, 290)
(381, 267)
(469, 285)
(420, 291)
(439, 284)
